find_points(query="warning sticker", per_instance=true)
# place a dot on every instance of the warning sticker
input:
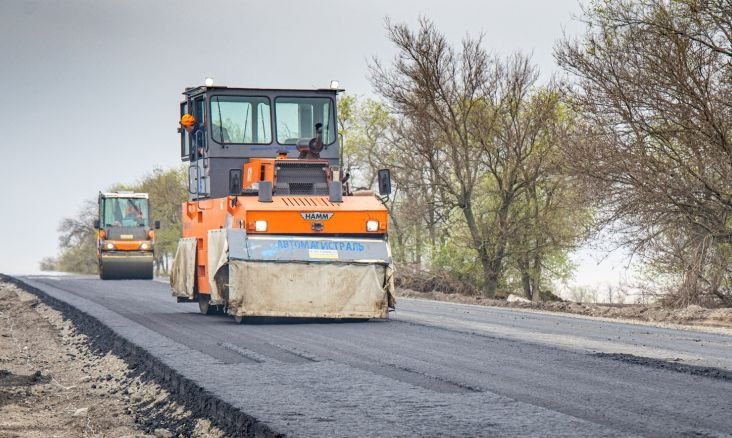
(323, 254)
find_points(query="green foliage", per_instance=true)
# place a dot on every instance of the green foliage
(79, 258)
(364, 125)
(168, 191)
(455, 256)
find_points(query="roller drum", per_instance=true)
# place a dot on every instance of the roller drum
(121, 266)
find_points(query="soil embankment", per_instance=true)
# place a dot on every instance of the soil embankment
(54, 382)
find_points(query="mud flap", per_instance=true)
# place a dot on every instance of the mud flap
(183, 269)
(389, 287)
(218, 256)
(314, 290)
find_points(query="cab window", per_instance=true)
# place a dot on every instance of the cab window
(125, 212)
(297, 116)
(241, 120)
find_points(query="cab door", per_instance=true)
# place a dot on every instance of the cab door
(197, 150)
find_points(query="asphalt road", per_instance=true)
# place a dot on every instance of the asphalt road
(432, 369)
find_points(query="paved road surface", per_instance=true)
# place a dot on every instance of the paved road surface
(433, 369)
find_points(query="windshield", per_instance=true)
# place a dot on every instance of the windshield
(296, 118)
(125, 212)
(241, 119)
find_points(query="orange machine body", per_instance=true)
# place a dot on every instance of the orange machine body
(270, 227)
(124, 244)
(284, 215)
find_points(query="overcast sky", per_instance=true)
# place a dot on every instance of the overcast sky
(92, 88)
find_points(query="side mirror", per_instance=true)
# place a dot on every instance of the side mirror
(157, 225)
(96, 224)
(235, 182)
(384, 182)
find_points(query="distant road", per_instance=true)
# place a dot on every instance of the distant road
(432, 369)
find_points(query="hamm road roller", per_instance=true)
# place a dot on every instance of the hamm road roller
(125, 239)
(271, 227)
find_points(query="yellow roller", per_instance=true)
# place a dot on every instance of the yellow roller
(125, 239)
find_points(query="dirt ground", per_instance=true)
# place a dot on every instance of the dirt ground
(53, 385)
(689, 316)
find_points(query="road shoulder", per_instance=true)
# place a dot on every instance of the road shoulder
(55, 381)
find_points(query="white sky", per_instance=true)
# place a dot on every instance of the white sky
(92, 87)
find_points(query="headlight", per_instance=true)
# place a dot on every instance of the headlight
(109, 245)
(144, 245)
(372, 226)
(260, 226)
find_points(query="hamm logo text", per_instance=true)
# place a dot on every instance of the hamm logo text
(316, 216)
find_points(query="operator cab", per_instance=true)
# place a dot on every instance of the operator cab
(238, 125)
(124, 214)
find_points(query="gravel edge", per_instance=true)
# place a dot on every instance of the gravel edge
(199, 401)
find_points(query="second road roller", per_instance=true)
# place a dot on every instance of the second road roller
(125, 236)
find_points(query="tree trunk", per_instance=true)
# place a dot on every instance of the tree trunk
(491, 285)
(418, 245)
(536, 277)
(526, 283)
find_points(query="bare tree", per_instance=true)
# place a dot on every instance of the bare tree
(655, 87)
(48, 264)
(537, 206)
(77, 241)
(438, 91)
(475, 134)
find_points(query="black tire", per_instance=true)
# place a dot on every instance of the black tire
(222, 283)
(204, 305)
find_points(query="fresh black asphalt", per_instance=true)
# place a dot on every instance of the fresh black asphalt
(432, 369)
